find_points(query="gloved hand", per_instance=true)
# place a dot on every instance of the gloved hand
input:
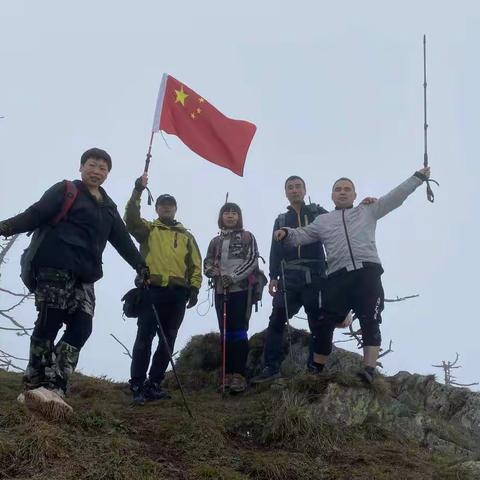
(227, 280)
(193, 297)
(143, 276)
(4, 230)
(423, 174)
(141, 183)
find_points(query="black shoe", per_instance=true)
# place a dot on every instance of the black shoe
(153, 391)
(266, 375)
(138, 395)
(367, 375)
(315, 368)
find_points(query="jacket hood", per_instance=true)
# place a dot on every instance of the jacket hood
(177, 225)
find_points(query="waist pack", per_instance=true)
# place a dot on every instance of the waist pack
(131, 302)
(27, 273)
(256, 283)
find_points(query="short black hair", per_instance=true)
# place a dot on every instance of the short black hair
(346, 179)
(295, 177)
(96, 154)
(230, 207)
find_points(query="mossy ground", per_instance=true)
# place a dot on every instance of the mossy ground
(264, 434)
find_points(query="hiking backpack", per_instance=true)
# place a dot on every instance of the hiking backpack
(27, 273)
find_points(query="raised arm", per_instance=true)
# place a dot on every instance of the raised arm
(37, 214)
(136, 225)
(398, 195)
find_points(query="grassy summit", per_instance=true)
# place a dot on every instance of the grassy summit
(267, 434)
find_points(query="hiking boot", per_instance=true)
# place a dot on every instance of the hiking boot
(48, 403)
(266, 375)
(228, 381)
(138, 396)
(315, 368)
(238, 383)
(367, 375)
(153, 391)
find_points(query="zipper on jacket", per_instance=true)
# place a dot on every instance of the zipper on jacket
(175, 238)
(348, 239)
(299, 247)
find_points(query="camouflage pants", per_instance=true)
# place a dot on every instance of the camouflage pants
(59, 300)
(50, 367)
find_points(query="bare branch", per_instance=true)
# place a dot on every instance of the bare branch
(6, 354)
(4, 290)
(449, 378)
(127, 351)
(386, 352)
(6, 247)
(24, 297)
(400, 299)
(18, 325)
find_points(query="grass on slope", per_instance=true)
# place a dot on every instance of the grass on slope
(261, 435)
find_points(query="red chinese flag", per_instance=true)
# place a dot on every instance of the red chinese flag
(201, 127)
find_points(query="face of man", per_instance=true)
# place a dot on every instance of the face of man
(230, 219)
(343, 194)
(166, 210)
(295, 191)
(94, 172)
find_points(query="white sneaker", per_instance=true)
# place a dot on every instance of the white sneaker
(49, 403)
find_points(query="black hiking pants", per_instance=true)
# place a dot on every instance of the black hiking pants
(236, 330)
(299, 294)
(170, 303)
(359, 290)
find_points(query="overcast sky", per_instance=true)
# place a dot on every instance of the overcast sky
(335, 88)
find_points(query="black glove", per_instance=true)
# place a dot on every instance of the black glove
(143, 276)
(227, 280)
(4, 230)
(193, 297)
(421, 176)
(139, 187)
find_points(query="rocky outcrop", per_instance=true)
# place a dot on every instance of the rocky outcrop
(414, 407)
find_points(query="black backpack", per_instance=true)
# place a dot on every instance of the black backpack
(27, 273)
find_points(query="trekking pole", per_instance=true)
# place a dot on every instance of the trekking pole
(224, 340)
(430, 195)
(284, 288)
(165, 342)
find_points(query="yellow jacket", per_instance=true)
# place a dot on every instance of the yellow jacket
(170, 251)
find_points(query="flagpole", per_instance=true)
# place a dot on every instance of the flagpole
(147, 165)
(149, 153)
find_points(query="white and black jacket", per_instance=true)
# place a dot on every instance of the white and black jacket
(348, 235)
(235, 253)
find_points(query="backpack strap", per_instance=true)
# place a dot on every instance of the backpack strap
(70, 195)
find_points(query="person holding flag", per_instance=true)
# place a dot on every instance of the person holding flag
(175, 266)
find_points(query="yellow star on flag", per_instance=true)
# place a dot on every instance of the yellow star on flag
(181, 96)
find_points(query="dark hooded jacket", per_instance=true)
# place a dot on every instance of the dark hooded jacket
(77, 242)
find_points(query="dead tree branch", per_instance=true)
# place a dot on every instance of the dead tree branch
(6, 358)
(127, 351)
(449, 378)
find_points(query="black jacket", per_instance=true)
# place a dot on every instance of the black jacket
(313, 251)
(78, 241)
